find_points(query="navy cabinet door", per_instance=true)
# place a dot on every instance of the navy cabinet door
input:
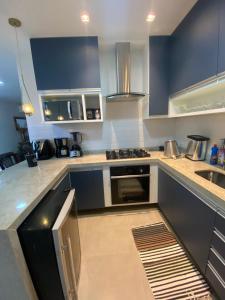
(159, 63)
(221, 57)
(194, 46)
(89, 189)
(66, 63)
(191, 219)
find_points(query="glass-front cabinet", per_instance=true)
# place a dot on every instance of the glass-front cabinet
(71, 107)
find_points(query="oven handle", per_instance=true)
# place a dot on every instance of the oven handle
(130, 176)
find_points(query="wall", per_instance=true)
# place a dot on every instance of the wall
(211, 126)
(123, 125)
(9, 137)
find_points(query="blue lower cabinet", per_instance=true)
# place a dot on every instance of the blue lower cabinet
(216, 282)
(215, 271)
(159, 75)
(66, 62)
(191, 219)
(89, 189)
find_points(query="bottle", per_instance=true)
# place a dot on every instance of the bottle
(214, 155)
(221, 154)
(97, 114)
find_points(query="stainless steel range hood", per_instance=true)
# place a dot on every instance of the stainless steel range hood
(123, 63)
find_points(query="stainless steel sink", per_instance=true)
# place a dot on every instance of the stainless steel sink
(213, 176)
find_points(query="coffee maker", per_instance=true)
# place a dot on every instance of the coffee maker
(62, 148)
(76, 150)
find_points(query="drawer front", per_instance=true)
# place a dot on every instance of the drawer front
(215, 282)
(62, 185)
(218, 244)
(219, 265)
(220, 223)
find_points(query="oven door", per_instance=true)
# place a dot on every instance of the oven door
(67, 246)
(128, 189)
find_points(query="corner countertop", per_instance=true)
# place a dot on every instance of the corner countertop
(22, 188)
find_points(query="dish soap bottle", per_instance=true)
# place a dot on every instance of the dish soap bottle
(221, 154)
(214, 155)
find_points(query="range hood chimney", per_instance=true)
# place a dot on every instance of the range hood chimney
(123, 63)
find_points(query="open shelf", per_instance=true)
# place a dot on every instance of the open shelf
(62, 107)
(206, 99)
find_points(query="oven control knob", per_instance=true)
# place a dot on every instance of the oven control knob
(141, 170)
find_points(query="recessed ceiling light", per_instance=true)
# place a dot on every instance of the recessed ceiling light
(85, 18)
(2, 83)
(150, 17)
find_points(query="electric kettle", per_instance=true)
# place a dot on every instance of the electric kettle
(171, 149)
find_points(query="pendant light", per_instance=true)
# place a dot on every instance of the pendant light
(27, 106)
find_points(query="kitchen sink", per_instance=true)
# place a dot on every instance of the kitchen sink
(213, 176)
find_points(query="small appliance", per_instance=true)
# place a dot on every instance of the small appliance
(126, 153)
(76, 150)
(197, 147)
(62, 148)
(50, 241)
(171, 149)
(43, 149)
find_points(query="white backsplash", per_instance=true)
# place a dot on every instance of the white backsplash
(123, 125)
(212, 126)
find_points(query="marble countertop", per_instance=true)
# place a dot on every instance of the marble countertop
(22, 188)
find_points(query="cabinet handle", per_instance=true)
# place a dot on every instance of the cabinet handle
(213, 270)
(218, 256)
(130, 176)
(71, 262)
(219, 235)
(68, 189)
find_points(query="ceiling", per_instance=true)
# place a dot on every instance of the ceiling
(109, 19)
(116, 19)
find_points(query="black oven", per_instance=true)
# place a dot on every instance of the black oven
(130, 184)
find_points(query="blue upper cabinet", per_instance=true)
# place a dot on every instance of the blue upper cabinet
(66, 62)
(158, 75)
(194, 46)
(221, 57)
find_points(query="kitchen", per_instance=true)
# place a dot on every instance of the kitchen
(97, 200)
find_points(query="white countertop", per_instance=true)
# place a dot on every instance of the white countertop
(22, 188)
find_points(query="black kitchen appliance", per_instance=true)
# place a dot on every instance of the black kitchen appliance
(43, 149)
(130, 184)
(126, 153)
(50, 241)
(76, 150)
(62, 148)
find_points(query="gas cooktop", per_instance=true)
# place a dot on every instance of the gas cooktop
(126, 153)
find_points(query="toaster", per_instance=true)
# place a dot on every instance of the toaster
(197, 147)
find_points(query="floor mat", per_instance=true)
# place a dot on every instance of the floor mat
(170, 273)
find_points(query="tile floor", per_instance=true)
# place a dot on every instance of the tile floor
(110, 266)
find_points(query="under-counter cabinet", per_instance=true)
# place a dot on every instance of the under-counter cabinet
(66, 62)
(190, 217)
(215, 272)
(89, 188)
(194, 46)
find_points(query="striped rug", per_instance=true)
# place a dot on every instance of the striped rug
(170, 273)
